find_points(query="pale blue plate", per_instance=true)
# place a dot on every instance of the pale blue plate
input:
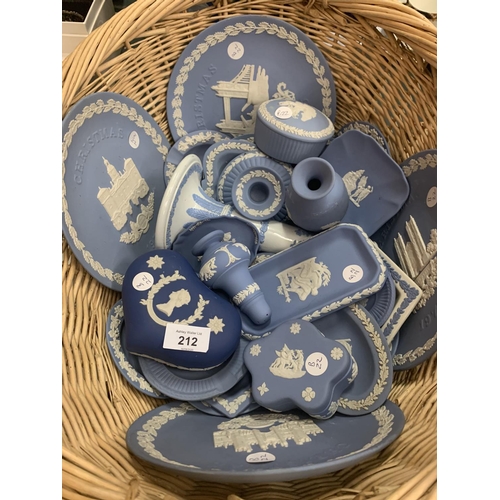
(236, 64)
(180, 439)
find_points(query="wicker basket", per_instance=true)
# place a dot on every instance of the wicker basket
(383, 58)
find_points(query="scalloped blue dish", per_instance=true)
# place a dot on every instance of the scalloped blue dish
(368, 129)
(375, 183)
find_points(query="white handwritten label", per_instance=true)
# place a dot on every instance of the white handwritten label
(352, 273)
(283, 113)
(316, 364)
(432, 199)
(260, 457)
(235, 50)
(133, 139)
(186, 337)
(143, 281)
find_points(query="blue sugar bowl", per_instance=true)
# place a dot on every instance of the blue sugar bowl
(290, 131)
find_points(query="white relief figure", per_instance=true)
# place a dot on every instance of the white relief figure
(254, 89)
(243, 432)
(419, 260)
(289, 363)
(128, 186)
(357, 186)
(178, 298)
(304, 279)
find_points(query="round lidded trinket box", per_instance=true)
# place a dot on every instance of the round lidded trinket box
(291, 131)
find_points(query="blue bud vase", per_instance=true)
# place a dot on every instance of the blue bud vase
(316, 198)
(224, 266)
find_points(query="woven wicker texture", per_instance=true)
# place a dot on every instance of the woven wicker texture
(386, 78)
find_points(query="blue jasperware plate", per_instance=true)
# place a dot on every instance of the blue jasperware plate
(196, 143)
(189, 385)
(113, 154)
(375, 183)
(238, 63)
(127, 363)
(410, 240)
(261, 446)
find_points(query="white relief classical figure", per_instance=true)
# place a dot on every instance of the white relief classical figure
(289, 363)
(357, 186)
(178, 298)
(304, 279)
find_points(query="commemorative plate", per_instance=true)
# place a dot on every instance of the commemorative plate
(261, 446)
(375, 183)
(237, 63)
(113, 154)
(410, 240)
(127, 363)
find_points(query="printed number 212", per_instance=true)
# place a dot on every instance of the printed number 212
(191, 341)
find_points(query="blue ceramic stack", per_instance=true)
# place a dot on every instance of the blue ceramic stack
(273, 273)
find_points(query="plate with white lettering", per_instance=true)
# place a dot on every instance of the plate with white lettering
(231, 67)
(127, 363)
(113, 155)
(178, 438)
(410, 240)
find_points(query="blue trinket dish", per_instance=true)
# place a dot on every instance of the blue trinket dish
(113, 154)
(291, 131)
(173, 317)
(127, 364)
(235, 231)
(217, 157)
(368, 129)
(179, 439)
(190, 385)
(196, 143)
(330, 270)
(371, 379)
(237, 401)
(298, 367)
(235, 64)
(375, 183)
(410, 240)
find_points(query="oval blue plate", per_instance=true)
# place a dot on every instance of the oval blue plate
(180, 439)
